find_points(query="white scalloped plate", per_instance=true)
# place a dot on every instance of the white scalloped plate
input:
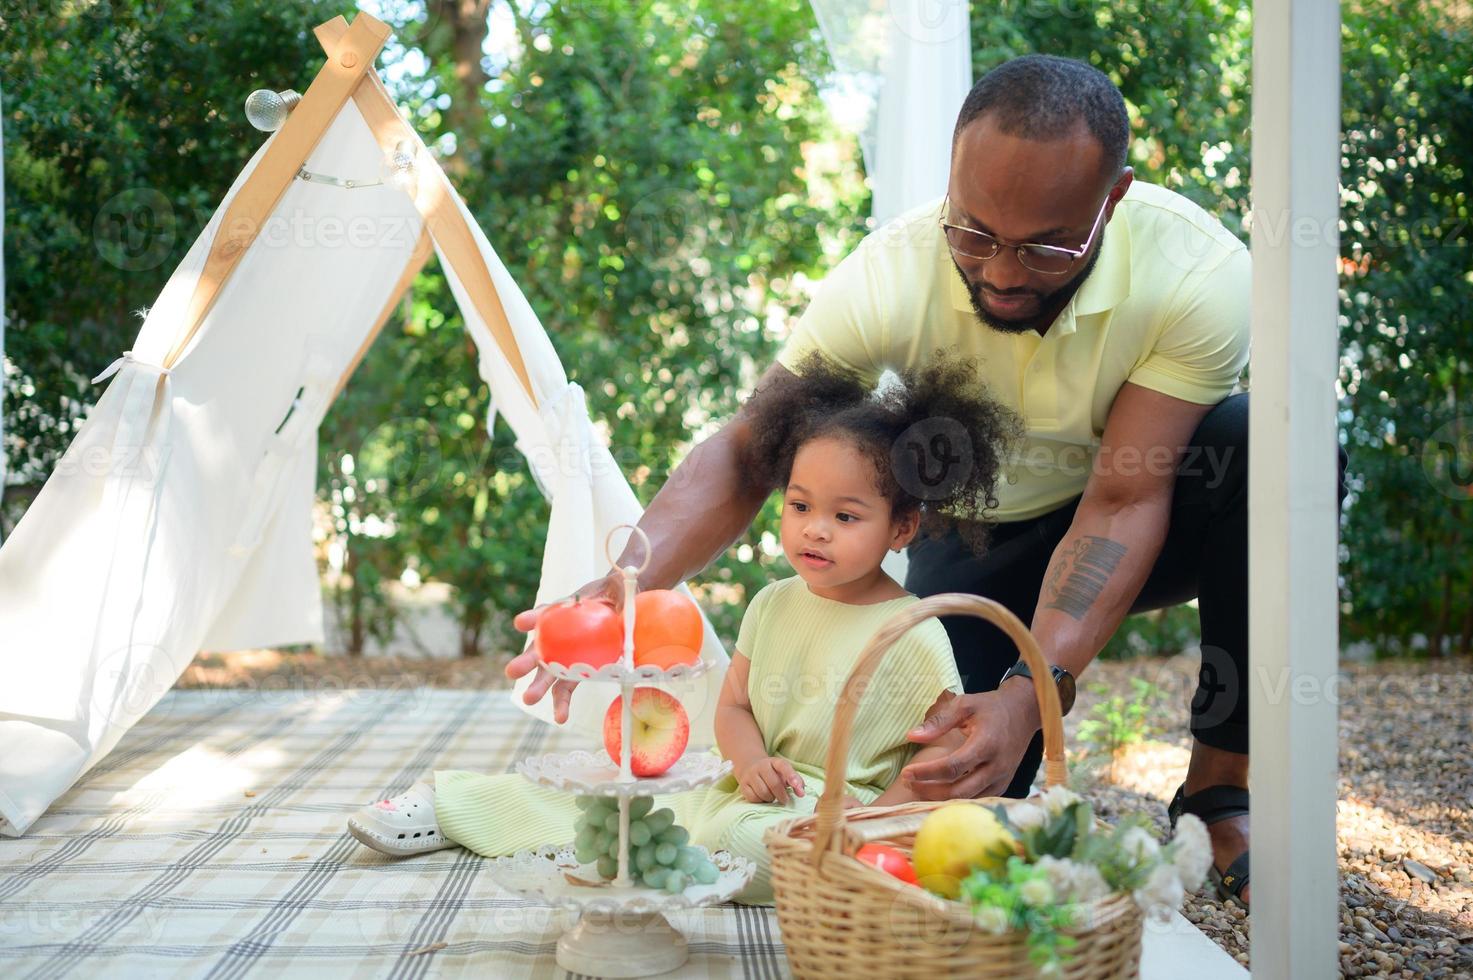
(541, 873)
(595, 774)
(618, 673)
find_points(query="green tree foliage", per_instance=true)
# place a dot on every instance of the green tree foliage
(1407, 364)
(123, 128)
(646, 171)
(1406, 267)
(640, 168)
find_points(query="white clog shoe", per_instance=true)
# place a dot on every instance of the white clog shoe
(402, 826)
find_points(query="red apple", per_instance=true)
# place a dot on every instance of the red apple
(659, 729)
(891, 860)
(580, 633)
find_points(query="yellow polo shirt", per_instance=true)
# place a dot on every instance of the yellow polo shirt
(1166, 308)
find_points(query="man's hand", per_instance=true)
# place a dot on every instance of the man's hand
(607, 589)
(767, 780)
(997, 726)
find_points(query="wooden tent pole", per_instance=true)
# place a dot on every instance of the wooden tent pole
(437, 203)
(258, 197)
(422, 250)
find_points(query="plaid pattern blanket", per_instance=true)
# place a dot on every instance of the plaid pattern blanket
(211, 843)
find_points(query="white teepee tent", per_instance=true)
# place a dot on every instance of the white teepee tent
(179, 518)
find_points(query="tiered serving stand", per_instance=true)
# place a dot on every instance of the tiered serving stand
(622, 930)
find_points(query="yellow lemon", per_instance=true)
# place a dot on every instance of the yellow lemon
(956, 839)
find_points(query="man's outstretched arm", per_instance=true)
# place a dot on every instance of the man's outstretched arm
(704, 506)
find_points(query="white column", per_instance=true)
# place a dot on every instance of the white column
(1293, 635)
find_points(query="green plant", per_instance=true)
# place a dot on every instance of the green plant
(1021, 898)
(1120, 720)
(1068, 859)
(1159, 633)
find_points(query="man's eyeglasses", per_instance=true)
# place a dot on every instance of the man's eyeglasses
(1048, 260)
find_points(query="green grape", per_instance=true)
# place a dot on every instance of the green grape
(641, 805)
(600, 842)
(707, 873)
(611, 822)
(644, 858)
(639, 833)
(613, 847)
(587, 855)
(585, 837)
(586, 803)
(655, 877)
(607, 867)
(660, 820)
(666, 853)
(678, 836)
(675, 882)
(689, 860)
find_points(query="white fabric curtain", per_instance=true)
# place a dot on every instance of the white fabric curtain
(902, 69)
(179, 518)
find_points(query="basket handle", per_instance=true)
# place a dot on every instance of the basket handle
(829, 812)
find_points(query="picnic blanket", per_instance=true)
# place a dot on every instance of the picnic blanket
(211, 843)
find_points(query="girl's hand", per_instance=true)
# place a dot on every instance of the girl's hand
(850, 802)
(767, 781)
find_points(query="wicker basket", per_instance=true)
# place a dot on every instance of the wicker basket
(844, 919)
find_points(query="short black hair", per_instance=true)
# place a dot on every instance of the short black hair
(1042, 96)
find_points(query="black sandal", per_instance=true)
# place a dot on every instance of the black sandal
(1213, 805)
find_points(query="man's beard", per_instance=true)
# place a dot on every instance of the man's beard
(1050, 304)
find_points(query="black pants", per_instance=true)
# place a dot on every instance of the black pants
(1205, 556)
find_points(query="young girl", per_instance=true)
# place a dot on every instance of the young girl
(862, 472)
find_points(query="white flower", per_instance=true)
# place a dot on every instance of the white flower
(991, 919)
(1055, 798)
(1073, 881)
(1191, 851)
(1139, 845)
(1162, 888)
(1026, 816)
(1036, 891)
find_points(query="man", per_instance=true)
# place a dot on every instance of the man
(1112, 317)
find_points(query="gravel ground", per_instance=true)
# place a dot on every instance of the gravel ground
(1405, 823)
(1405, 827)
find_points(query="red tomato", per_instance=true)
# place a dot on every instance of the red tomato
(581, 633)
(665, 618)
(891, 860)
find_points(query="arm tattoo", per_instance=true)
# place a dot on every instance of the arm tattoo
(1089, 565)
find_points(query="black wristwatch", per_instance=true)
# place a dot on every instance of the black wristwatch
(1062, 678)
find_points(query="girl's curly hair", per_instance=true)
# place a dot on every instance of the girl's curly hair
(937, 441)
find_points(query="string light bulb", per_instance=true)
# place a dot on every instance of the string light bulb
(267, 110)
(402, 172)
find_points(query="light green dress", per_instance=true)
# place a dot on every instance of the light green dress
(802, 648)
